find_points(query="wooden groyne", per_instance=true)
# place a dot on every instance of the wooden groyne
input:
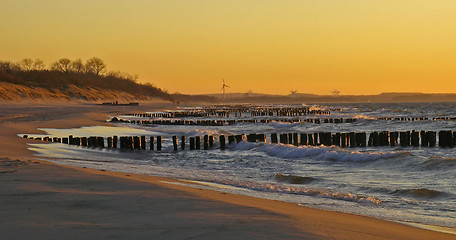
(444, 139)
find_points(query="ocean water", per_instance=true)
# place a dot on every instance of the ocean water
(408, 184)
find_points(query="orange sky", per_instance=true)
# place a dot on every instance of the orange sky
(269, 46)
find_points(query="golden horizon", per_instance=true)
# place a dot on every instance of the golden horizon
(355, 47)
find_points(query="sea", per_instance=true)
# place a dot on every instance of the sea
(412, 185)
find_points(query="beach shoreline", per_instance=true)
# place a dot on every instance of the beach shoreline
(304, 222)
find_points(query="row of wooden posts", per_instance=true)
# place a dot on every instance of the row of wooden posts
(237, 112)
(348, 139)
(233, 121)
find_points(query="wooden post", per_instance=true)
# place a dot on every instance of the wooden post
(310, 139)
(352, 139)
(152, 143)
(261, 137)
(273, 137)
(175, 143)
(431, 136)
(424, 141)
(83, 141)
(284, 138)
(109, 142)
(336, 139)
(403, 139)
(251, 137)
(206, 142)
(211, 141)
(136, 143)
(130, 143)
(143, 142)
(159, 143)
(230, 139)
(361, 139)
(343, 140)
(183, 143)
(290, 138)
(192, 143)
(303, 139)
(393, 138)
(197, 142)
(443, 139)
(100, 142)
(415, 139)
(222, 142)
(114, 142)
(295, 139)
(238, 138)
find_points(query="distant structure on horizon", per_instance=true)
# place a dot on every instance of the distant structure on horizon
(224, 86)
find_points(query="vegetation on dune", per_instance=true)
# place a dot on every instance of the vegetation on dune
(65, 73)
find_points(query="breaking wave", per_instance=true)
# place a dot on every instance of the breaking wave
(422, 193)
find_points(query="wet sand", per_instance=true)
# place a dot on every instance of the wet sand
(41, 200)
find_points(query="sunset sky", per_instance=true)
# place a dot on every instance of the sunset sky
(269, 46)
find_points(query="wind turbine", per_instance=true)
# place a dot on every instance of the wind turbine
(224, 86)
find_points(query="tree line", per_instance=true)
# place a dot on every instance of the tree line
(93, 65)
(64, 72)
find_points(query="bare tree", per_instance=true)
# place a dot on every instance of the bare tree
(26, 64)
(96, 66)
(77, 66)
(38, 64)
(62, 65)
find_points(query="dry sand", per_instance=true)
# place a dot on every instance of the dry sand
(41, 200)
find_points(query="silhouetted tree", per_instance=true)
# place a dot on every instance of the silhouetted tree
(26, 64)
(77, 66)
(95, 66)
(38, 64)
(62, 65)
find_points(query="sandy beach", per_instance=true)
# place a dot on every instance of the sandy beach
(42, 200)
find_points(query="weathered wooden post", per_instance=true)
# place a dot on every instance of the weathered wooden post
(239, 138)
(251, 137)
(100, 142)
(152, 143)
(192, 143)
(303, 139)
(393, 138)
(206, 142)
(175, 143)
(136, 143)
(182, 143)
(261, 137)
(211, 141)
(415, 138)
(284, 138)
(336, 139)
(197, 142)
(230, 139)
(109, 142)
(222, 142)
(352, 139)
(273, 137)
(114, 142)
(70, 139)
(130, 143)
(295, 139)
(432, 138)
(403, 139)
(424, 141)
(143, 142)
(83, 141)
(159, 143)
(310, 139)
(361, 139)
(290, 138)
(343, 140)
